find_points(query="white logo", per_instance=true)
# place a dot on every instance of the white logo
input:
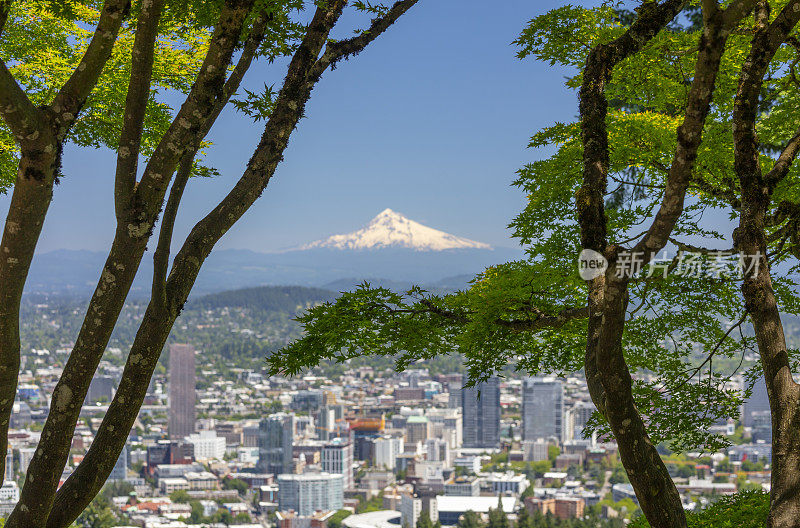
(591, 264)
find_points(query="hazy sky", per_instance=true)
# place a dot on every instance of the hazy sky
(432, 120)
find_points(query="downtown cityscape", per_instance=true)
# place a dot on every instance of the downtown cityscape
(366, 447)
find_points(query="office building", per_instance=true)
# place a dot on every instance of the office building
(418, 430)
(101, 389)
(120, 470)
(25, 457)
(207, 445)
(581, 412)
(169, 452)
(181, 391)
(410, 510)
(481, 414)
(451, 508)
(363, 431)
(535, 450)
(310, 492)
(307, 400)
(275, 443)
(758, 402)
(386, 451)
(438, 450)
(507, 483)
(542, 409)
(9, 496)
(337, 458)
(463, 486)
(9, 474)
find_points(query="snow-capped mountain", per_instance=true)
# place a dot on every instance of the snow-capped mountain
(391, 250)
(392, 229)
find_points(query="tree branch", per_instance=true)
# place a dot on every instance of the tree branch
(23, 119)
(608, 376)
(336, 51)
(718, 26)
(136, 100)
(594, 109)
(88, 478)
(689, 248)
(143, 357)
(289, 107)
(161, 253)
(5, 9)
(68, 102)
(545, 321)
(711, 354)
(784, 162)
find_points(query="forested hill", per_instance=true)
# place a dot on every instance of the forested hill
(286, 299)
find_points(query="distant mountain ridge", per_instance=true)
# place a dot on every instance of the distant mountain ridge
(288, 299)
(391, 247)
(392, 229)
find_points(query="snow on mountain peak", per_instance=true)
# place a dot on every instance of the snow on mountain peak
(392, 229)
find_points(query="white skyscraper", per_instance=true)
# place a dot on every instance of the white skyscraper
(387, 450)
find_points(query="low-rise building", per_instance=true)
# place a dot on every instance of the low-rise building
(508, 482)
(201, 480)
(169, 485)
(464, 486)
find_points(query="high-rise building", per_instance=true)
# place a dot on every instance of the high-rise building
(363, 431)
(275, 442)
(481, 414)
(412, 507)
(410, 510)
(438, 450)
(25, 457)
(101, 389)
(181, 391)
(120, 471)
(581, 413)
(310, 492)
(337, 458)
(758, 402)
(9, 474)
(307, 400)
(542, 408)
(447, 424)
(330, 419)
(386, 451)
(418, 429)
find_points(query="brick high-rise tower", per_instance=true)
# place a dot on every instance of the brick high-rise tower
(181, 391)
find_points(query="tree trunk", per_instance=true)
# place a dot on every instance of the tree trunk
(783, 392)
(33, 192)
(751, 241)
(658, 497)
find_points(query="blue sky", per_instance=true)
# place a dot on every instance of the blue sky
(432, 120)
